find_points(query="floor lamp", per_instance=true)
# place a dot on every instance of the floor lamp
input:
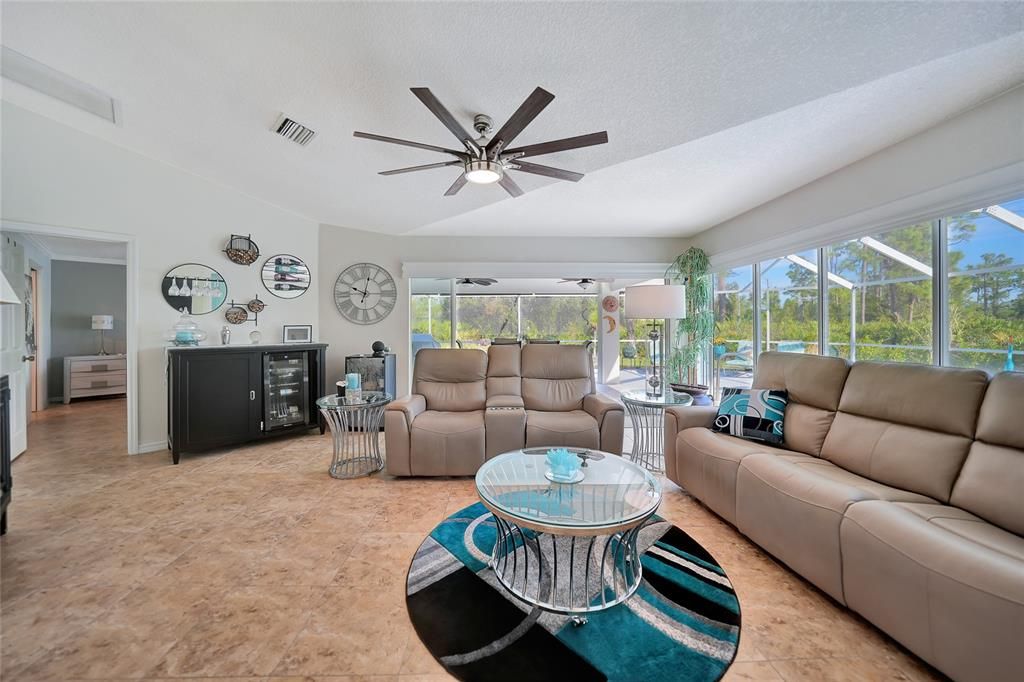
(657, 302)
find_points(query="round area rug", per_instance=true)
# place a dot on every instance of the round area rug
(683, 623)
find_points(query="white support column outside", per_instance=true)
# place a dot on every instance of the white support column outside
(608, 330)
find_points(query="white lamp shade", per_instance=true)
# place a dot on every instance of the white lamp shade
(7, 293)
(102, 321)
(656, 302)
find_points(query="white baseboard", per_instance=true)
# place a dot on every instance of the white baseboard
(152, 447)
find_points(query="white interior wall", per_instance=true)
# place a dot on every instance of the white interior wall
(40, 260)
(53, 175)
(341, 247)
(968, 160)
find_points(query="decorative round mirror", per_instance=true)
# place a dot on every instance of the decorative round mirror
(285, 276)
(199, 289)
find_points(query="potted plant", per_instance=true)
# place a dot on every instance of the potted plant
(695, 333)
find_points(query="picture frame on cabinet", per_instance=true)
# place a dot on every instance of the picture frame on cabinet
(297, 333)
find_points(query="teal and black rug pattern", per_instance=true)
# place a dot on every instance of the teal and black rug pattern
(683, 623)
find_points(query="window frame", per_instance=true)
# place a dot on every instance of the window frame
(942, 350)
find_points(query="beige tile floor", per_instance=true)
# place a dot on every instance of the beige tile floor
(253, 564)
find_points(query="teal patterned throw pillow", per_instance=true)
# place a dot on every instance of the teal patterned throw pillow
(752, 413)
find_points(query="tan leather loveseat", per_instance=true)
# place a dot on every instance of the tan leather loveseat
(899, 491)
(467, 406)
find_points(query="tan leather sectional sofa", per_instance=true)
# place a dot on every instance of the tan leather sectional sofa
(899, 492)
(468, 406)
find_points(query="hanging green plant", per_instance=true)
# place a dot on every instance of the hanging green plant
(694, 334)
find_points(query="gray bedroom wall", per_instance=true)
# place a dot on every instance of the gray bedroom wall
(79, 291)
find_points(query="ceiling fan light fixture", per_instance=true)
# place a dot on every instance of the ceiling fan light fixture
(483, 172)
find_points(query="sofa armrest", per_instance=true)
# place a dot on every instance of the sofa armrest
(678, 418)
(598, 406)
(411, 405)
(505, 401)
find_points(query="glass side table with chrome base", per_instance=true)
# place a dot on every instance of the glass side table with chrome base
(355, 426)
(647, 414)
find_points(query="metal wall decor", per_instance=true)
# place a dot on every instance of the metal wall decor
(242, 249)
(256, 305)
(236, 314)
(196, 288)
(285, 276)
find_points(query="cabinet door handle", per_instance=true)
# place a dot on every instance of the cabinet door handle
(252, 395)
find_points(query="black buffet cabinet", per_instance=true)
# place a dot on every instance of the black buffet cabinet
(225, 395)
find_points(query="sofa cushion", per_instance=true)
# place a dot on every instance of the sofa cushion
(575, 427)
(991, 483)
(793, 506)
(447, 443)
(812, 380)
(752, 413)
(814, 384)
(555, 377)
(503, 370)
(908, 426)
(940, 399)
(451, 379)
(706, 463)
(946, 584)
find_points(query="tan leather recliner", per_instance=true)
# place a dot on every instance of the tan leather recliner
(439, 430)
(899, 494)
(467, 406)
(562, 407)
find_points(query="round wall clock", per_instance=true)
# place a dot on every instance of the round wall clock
(610, 303)
(365, 293)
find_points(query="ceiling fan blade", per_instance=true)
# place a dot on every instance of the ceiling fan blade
(541, 148)
(408, 143)
(510, 186)
(456, 186)
(427, 166)
(445, 116)
(550, 172)
(526, 112)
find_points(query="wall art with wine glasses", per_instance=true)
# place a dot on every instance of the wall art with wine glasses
(285, 276)
(196, 288)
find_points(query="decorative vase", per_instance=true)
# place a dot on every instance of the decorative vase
(1008, 366)
(185, 331)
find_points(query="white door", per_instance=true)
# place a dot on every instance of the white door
(14, 361)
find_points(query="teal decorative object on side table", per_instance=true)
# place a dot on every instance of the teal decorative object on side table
(563, 466)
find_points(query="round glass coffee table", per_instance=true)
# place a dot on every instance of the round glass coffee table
(568, 548)
(355, 427)
(647, 414)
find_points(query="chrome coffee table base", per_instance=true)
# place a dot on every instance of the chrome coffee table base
(356, 434)
(568, 574)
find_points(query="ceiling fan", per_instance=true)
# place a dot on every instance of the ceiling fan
(485, 161)
(585, 282)
(474, 281)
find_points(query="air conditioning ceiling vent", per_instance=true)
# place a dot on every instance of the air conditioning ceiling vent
(294, 131)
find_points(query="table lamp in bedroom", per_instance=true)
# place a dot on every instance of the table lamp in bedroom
(102, 323)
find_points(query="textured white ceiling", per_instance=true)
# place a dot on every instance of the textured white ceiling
(711, 108)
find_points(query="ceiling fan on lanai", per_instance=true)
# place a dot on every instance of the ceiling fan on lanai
(585, 282)
(486, 160)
